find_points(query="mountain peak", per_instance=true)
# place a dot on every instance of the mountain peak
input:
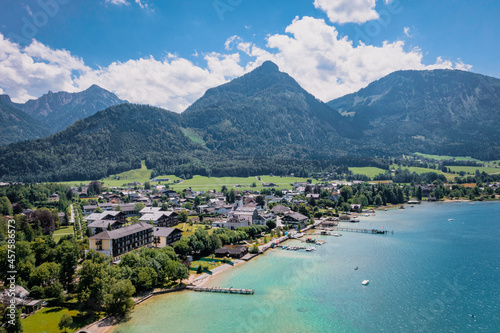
(269, 66)
(5, 99)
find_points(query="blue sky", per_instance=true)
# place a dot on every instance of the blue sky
(167, 53)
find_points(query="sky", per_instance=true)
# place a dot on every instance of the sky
(167, 53)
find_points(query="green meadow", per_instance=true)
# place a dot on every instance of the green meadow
(444, 157)
(367, 171)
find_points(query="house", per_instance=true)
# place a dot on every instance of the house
(330, 222)
(117, 242)
(276, 210)
(19, 296)
(87, 210)
(100, 225)
(268, 184)
(149, 210)
(128, 209)
(61, 217)
(165, 236)
(233, 251)
(161, 219)
(294, 218)
(356, 208)
(111, 215)
(54, 197)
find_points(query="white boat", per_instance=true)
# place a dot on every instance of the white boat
(365, 282)
(451, 220)
(311, 249)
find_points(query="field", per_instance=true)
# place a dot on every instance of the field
(367, 171)
(472, 170)
(47, 320)
(201, 183)
(65, 230)
(188, 230)
(444, 157)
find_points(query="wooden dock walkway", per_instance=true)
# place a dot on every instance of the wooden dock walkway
(222, 290)
(366, 231)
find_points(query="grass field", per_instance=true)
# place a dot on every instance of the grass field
(65, 230)
(47, 320)
(444, 157)
(188, 230)
(472, 170)
(367, 171)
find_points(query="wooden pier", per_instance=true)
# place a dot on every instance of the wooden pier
(222, 290)
(366, 231)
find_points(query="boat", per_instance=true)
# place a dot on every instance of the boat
(320, 242)
(311, 249)
(356, 268)
(451, 220)
(367, 215)
(365, 282)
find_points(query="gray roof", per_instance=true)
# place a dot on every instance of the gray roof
(156, 216)
(163, 232)
(101, 223)
(297, 216)
(123, 232)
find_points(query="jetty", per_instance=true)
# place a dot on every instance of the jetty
(366, 231)
(222, 290)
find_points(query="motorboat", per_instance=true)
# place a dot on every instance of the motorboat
(365, 282)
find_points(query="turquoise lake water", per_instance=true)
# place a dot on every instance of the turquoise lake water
(430, 276)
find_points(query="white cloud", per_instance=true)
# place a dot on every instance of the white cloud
(407, 31)
(118, 2)
(323, 62)
(329, 65)
(348, 11)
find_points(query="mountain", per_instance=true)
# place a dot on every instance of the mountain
(59, 110)
(17, 125)
(447, 112)
(109, 142)
(267, 113)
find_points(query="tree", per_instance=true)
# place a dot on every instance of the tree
(419, 193)
(119, 299)
(164, 206)
(139, 206)
(12, 324)
(67, 254)
(98, 210)
(259, 200)
(65, 322)
(183, 216)
(5, 206)
(299, 226)
(119, 208)
(147, 185)
(271, 224)
(346, 193)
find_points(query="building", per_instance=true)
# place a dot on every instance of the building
(54, 197)
(294, 219)
(100, 225)
(110, 215)
(233, 251)
(117, 242)
(165, 236)
(280, 209)
(20, 298)
(161, 219)
(87, 210)
(239, 217)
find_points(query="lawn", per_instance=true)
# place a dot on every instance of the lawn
(201, 183)
(47, 320)
(472, 169)
(444, 157)
(367, 171)
(188, 230)
(65, 230)
(284, 182)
